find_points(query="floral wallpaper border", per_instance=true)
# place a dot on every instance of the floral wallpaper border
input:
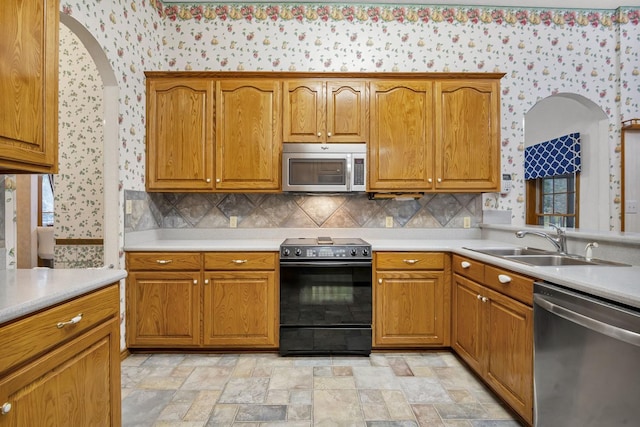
(401, 14)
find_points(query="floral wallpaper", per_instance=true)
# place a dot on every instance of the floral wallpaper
(79, 186)
(542, 52)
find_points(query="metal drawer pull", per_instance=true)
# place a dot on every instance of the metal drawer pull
(164, 261)
(73, 321)
(206, 281)
(479, 296)
(503, 278)
(465, 264)
(485, 299)
(380, 281)
(6, 408)
(410, 261)
(195, 281)
(238, 261)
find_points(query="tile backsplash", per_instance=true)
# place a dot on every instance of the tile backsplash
(213, 210)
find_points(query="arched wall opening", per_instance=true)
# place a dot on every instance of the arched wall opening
(110, 149)
(564, 113)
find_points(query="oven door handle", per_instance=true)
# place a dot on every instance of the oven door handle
(612, 331)
(326, 264)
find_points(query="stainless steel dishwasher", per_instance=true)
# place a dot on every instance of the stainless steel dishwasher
(586, 360)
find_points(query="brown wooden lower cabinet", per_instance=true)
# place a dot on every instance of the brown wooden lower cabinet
(411, 299)
(66, 376)
(493, 331)
(216, 300)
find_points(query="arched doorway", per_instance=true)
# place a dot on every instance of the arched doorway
(564, 113)
(110, 137)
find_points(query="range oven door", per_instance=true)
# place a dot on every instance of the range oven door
(325, 307)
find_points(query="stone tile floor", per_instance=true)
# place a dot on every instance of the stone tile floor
(384, 389)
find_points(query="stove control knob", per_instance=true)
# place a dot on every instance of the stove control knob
(365, 252)
(354, 252)
(286, 252)
(298, 252)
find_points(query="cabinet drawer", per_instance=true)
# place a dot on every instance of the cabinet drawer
(240, 260)
(24, 339)
(468, 267)
(164, 261)
(509, 283)
(410, 260)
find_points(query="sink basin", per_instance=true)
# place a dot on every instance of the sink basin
(550, 260)
(512, 251)
(541, 257)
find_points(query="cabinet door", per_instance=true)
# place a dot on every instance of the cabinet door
(78, 384)
(248, 135)
(509, 367)
(467, 153)
(29, 86)
(346, 114)
(401, 137)
(409, 309)
(179, 134)
(467, 322)
(240, 309)
(163, 309)
(303, 111)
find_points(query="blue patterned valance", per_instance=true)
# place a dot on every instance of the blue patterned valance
(558, 156)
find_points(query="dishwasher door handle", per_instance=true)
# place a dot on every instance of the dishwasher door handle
(615, 332)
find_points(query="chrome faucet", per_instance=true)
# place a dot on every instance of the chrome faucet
(560, 241)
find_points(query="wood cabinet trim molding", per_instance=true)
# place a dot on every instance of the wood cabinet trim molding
(320, 75)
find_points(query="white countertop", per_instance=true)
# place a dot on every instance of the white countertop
(620, 284)
(25, 291)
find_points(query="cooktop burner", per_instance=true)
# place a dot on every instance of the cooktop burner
(324, 248)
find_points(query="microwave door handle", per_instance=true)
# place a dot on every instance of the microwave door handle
(349, 176)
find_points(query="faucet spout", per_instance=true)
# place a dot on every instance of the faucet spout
(559, 241)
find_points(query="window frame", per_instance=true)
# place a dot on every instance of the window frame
(534, 201)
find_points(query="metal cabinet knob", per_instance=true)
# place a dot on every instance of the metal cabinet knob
(208, 179)
(439, 179)
(206, 281)
(6, 408)
(465, 264)
(479, 296)
(195, 282)
(329, 134)
(319, 134)
(485, 299)
(429, 180)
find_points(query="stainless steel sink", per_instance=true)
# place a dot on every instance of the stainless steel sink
(501, 252)
(550, 260)
(542, 258)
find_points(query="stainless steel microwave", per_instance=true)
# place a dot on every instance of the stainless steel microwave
(324, 167)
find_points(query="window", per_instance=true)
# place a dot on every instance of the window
(46, 200)
(553, 200)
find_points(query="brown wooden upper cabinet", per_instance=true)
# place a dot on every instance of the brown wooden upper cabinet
(401, 145)
(223, 131)
(248, 135)
(180, 134)
(207, 135)
(322, 111)
(29, 103)
(435, 135)
(467, 134)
